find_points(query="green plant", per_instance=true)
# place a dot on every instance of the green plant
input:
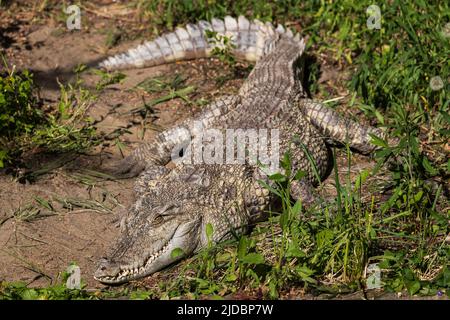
(107, 78)
(172, 88)
(68, 129)
(21, 291)
(223, 47)
(27, 127)
(223, 50)
(18, 112)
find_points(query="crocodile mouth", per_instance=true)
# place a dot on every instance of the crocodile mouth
(129, 273)
(184, 237)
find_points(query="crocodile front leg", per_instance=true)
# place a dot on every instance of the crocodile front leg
(338, 128)
(170, 143)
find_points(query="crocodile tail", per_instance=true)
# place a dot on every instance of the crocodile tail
(248, 38)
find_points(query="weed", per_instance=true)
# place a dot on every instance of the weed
(59, 291)
(113, 37)
(26, 127)
(93, 205)
(107, 78)
(223, 47)
(21, 291)
(170, 88)
(223, 50)
(17, 108)
(324, 249)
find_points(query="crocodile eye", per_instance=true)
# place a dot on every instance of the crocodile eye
(158, 220)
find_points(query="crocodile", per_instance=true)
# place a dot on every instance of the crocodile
(175, 204)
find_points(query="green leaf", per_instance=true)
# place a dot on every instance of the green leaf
(209, 231)
(305, 274)
(294, 251)
(254, 275)
(284, 220)
(273, 291)
(297, 207)
(277, 177)
(445, 115)
(46, 204)
(242, 247)
(443, 280)
(418, 196)
(140, 295)
(324, 237)
(253, 258)
(428, 167)
(361, 178)
(378, 141)
(413, 287)
(300, 174)
(231, 277)
(176, 253)
(224, 257)
(270, 188)
(414, 144)
(286, 163)
(30, 294)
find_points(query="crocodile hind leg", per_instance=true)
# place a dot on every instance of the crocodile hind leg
(308, 153)
(170, 143)
(315, 163)
(338, 128)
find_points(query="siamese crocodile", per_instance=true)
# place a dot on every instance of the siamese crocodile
(174, 206)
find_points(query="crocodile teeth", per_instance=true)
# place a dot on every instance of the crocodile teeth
(135, 269)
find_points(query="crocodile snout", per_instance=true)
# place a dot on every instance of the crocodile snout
(105, 269)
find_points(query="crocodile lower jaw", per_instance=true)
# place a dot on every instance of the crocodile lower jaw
(127, 274)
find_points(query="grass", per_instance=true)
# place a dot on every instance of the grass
(324, 251)
(170, 88)
(18, 114)
(399, 78)
(29, 127)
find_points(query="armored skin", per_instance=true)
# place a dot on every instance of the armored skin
(173, 207)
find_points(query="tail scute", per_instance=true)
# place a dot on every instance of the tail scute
(248, 37)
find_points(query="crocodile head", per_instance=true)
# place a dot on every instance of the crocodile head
(170, 216)
(164, 217)
(169, 213)
(147, 242)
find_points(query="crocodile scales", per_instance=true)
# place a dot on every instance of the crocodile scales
(173, 207)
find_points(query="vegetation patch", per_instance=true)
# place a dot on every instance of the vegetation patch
(29, 127)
